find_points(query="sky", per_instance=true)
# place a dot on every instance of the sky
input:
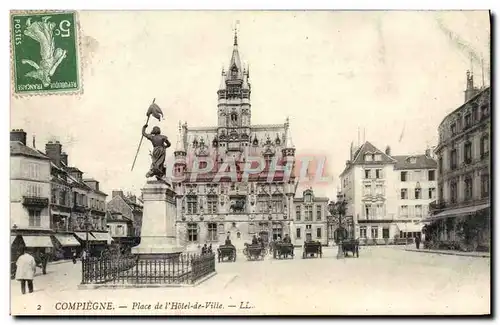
(332, 73)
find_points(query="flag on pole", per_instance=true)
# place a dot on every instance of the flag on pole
(156, 111)
(402, 133)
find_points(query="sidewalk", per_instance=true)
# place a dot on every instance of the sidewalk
(450, 252)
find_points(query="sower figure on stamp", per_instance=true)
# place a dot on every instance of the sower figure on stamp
(160, 144)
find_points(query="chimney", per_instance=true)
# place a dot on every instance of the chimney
(116, 193)
(388, 150)
(53, 151)
(18, 135)
(64, 158)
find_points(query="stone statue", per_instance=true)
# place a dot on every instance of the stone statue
(160, 144)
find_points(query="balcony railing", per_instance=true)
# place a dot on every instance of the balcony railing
(36, 201)
(79, 207)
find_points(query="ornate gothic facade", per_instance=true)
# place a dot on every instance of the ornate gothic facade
(232, 178)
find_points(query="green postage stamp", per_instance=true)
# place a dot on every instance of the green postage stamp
(45, 52)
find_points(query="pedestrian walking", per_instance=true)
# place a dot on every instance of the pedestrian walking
(417, 241)
(84, 255)
(44, 259)
(74, 256)
(25, 272)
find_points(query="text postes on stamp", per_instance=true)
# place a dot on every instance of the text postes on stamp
(45, 53)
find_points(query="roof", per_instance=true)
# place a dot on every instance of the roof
(17, 148)
(483, 92)
(422, 162)
(114, 216)
(368, 148)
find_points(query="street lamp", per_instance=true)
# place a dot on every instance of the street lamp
(338, 209)
(87, 225)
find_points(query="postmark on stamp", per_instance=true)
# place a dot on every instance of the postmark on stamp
(45, 57)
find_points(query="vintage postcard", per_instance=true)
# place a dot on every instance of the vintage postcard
(177, 163)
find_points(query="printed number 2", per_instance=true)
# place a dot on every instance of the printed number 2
(38, 307)
(63, 30)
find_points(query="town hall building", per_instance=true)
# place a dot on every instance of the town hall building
(212, 205)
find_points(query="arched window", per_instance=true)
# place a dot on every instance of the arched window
(485, 145)
(234, 117)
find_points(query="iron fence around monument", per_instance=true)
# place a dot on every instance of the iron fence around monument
(183, 269)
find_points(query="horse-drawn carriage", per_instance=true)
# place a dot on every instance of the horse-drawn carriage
(282, 250)
(254, 251)
(226, 251)
(312, 248)
(350, 245)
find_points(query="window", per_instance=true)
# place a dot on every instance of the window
(308, 227)
(262, 203)
(362, 232)
(468, 120)
(468, 188)
(277, 204)
(453, 128)
(212, 231)
(385, 232)
(297, 233)
(468, 152)
(378, 173)
(297, 213)
(203, 164)
(413, 160)
(404, 194)
(318, 213)
(404, 211)
(379, 189)
(378, 157)
(485, 185)
(119, 230)
(308, 213)
(368, 189)
(35, 218)
(418, 211)
(453, 192)
(192, 205)
(417, 194)
(367, 173)
(380, 210)
(453, 160)
(318, 232)
(368, 157)
(211, 204)
(484, 110)
(432, 193)
(308, 198)
(374, 232)
(34, 190)
(431, 175)
(192, 232)
(53, 196)
(485, 146)
(368, 208)
(404, 176)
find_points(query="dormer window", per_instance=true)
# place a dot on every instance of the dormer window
(412, 160)
(378, 157)
(368, 157)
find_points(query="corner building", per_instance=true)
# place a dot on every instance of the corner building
(215, 197)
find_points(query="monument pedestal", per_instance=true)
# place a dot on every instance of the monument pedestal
(158, 235)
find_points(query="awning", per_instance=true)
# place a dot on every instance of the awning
(410, 227)
(12, 238)
(451, 213)
(67, 240)
(37, 241)
(83, 236)
(102, 236)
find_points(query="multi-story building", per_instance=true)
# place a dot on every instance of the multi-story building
(121, 229)
(310, 219)
(78, 204)
(130, 209)
(385, 193)
(30, 195)
(215, 195)
(462, 211)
